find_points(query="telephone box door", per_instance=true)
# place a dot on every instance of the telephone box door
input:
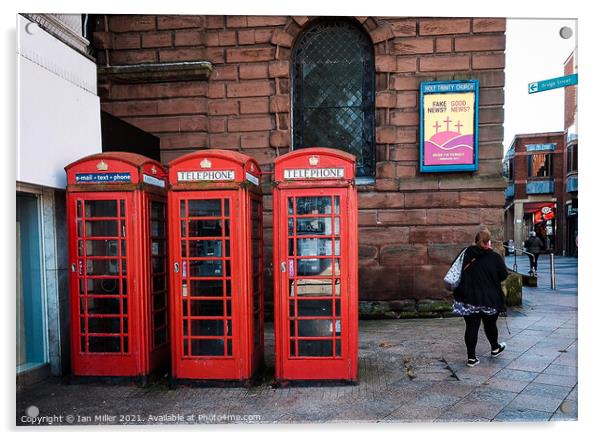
(206, 287)
(105, 338)
(314, 311)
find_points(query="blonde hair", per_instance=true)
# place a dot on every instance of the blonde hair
(482, 238)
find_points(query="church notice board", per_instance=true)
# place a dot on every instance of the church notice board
(449, 126)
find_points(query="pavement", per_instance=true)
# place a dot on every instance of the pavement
(409, 371)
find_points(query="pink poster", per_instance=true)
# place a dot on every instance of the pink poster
(449, 129)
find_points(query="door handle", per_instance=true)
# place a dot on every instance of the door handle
(73, 268)
(283, 267)
(176, 267)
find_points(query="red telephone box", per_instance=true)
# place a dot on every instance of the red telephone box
(215, 211)
(116, 214)
(315, 266)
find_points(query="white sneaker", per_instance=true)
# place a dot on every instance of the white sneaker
(472, 362)
(495, 353)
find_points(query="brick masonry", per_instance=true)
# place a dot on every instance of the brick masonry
(411, 224)
(521, 177)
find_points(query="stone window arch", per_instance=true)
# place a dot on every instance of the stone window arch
(333, 90)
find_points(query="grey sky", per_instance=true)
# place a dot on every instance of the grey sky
(534, 52)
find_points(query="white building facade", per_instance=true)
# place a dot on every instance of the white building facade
(58, 121)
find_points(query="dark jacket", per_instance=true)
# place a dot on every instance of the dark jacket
(480, 284)
(535, 245)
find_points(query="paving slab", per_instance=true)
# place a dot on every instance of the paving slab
(535, 379)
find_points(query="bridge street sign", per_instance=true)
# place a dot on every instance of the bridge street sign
(554, 83)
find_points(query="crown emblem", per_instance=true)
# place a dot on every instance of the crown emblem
(252, 167)
(205, 163)
(102, 166)
(314, 160)
(153, 170)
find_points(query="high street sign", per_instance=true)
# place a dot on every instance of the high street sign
(554, 83)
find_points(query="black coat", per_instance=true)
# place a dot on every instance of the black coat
(535, 245)
(480, 284)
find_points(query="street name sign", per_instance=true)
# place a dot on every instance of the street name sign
(554, 83)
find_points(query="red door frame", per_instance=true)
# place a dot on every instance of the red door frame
(157, 355)
(315, 172)
(135, 179)
(210, 367)
(102, 363)
(316, 368)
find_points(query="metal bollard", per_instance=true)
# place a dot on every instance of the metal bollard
(552, 272)
(515, 266)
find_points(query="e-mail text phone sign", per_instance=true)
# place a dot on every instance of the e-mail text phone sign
(449, 126)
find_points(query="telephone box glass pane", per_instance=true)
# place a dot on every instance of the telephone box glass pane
(103, 344)
(159, 282)
(102, 248)
(100, 208)
(102, 228)
(317, 266)
(102, 267)
(159, 320)
(315, 205)
(206, 268)
(206, 308)
(315, 247)
(315, 348)
(104, 306)
(104, 325)
(205, 208)
(205, 248)
(315, 287)
(102, 286)
(207, 347)
(206, 287)
(157, 228)
(159, 301)
(316, 226)
(309, 307)
(205, 228)
(207, 327)
(315, 327)
(158, 248)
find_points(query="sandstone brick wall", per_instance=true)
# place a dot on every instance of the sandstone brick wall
(411, 224)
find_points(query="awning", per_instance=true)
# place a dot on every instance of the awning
(529, 208)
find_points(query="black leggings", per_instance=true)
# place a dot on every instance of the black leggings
(471, 335)
(533, 261)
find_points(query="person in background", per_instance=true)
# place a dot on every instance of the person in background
(534, 246)
(479, 295)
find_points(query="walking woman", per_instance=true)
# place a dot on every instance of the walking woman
(479, 295)
(535, 246)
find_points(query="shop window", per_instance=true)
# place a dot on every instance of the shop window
(572, 158)
(540, 165)
(30, 307)
(508, 169)
(333, 91)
